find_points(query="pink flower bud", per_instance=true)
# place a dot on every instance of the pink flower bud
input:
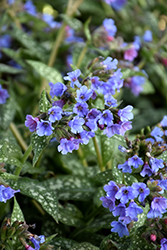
(153, 237)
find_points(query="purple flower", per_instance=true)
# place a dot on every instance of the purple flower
(118, 4)
(106, 118)
(163, 244)
(3, 95)
(125, 167)
(135, 84)
(112, 130)
(119, 210)
(76, 124)
(37, 240)
(44, 128)
(108, 203)
(55, 114)
(163, 184)
(30, 8)
(154, 214)
(57, 89)
(111, 189)
(130, 54)
(109, 64)
(164, 121)
(120, 228)
(135, 161)
(110, 27)
(146, 170)
(133, 210)
(124, 126)
(137, 42)
(125, 194)
(86, 135)
(159, 204)
(156, 164)
(72, 77)
(66, 146)
(115, 82)
(83, 94)
(122, 149)
(49, 19)
(31, 122)
(93, 114)
(5, 41)
(147, 37)
(157, 133)
(141, 190)
(110, 101)
(81, 109)
(126, 114)
(60, 103)
(6, 193)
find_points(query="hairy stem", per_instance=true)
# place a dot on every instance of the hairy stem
(99, 158)
(81, 155)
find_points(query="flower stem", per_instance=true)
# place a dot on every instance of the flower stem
(99, 158)
(83, 52)
(81, 155)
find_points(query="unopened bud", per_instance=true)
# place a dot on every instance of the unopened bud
(153, 237)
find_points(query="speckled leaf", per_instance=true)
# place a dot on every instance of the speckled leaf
(72, 22)
(9, 69)
(163, 156)
(84, 246)
(72, 187)
(38, 145)
(68, 215)
(36, 190)
(43, 103)
(102, 221)
(7, 176)
(28, 168)
(63, 243)
(14, 55)
(141, 218)
(10, 153)
(51, 74)
(129, 179)
(7, 112)
(17, 212)
(104, 177)
(113, 240)
(72, 165)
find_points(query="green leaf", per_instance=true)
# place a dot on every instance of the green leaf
(63, 243)
(72, 187)
(50, 74)
(38, 145)
(148, 87)
(27, 41)
(28, 168)
(10, 153)
(86, 29)
(72, 165)
(102, 221)
(7, 176)
(7, 112)
(8, 69)
(36, 190)
(129, 73)
(43, 103)
(70, 215)
(15, 55)
(17, 212)
(84, 246)
(74, 23)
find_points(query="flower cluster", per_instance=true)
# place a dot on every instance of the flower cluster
(36, 240)
(73, 118)
(3, 95)
(6, 193)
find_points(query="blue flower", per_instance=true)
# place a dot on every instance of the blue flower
(3, 95)
(146, 170)
(107, 202)
(109, 64)
(106, 118)
(118, 4)
(119, 210)
(112, 130)
(163, 184)
(49, 19)
(110, 27)
(124, 126)
(110, 101)
(157, 133)
(72, 77)
(44, 128)
(31, 122)
(154, 214)
(57, 89)
(125, 194)
(66, 146)
(120, 228)
(76, 124)
(125, 167)
(163, 244)
(142, 190)
(147, 37)
(81, 109)
(30, 8)
(164, 121)
(126, 114)
(111, 189)
(133, 210)
(6, 193)
(83, 94)
(122, 149)
(55, 114)
(37, 240)
(156, 164)
(86, 135)
(135, 161)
